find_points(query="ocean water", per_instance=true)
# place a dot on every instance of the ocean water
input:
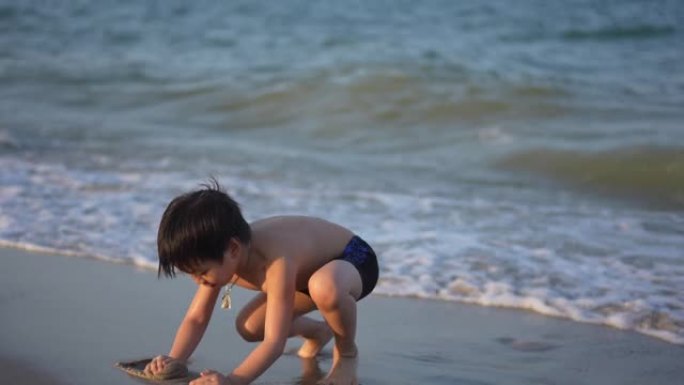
(526, 155)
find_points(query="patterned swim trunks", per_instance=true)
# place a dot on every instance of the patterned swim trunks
(361, 255)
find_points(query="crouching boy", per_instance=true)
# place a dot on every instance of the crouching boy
(297, 264)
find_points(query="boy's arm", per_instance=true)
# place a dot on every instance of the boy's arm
(195, 322)
(280, 292)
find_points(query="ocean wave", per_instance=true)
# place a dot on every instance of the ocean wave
(618, 32)
(388, 93)
(382, 97)
(625, 314)
(83, 70)
(548, 281)
(651, 175)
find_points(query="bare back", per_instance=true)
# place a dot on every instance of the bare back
(307, 242)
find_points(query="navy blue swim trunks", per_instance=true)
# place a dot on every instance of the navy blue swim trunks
(361, 255)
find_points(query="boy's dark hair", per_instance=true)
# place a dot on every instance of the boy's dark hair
(197, 227)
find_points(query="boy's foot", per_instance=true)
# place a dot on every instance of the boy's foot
(343, 371)
(311, 371)
(312, 346)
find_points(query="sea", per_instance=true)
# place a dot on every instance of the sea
(525, 154)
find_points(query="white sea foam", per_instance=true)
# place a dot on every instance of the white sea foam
(587, 265)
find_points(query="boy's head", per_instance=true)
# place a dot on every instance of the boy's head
(197, 227)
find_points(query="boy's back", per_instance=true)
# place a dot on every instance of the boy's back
(307, 242)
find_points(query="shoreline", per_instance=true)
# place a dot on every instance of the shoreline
(146, 266)
(72, 318)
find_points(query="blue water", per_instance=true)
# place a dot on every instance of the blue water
(528, 155)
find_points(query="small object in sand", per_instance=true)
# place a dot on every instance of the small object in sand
(174, 370)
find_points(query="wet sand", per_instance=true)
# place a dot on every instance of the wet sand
(68, 320)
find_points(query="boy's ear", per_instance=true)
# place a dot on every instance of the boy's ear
(234, 247)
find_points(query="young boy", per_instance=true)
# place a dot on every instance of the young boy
(299, 264)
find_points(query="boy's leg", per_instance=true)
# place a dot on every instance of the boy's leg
(250, 323)
(335, 288)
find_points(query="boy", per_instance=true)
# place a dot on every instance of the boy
(299, 264)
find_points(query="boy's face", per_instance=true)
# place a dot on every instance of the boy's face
(215, 274)
(209, 274)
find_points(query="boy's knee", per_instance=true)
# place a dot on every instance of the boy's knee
(324, 293)
(248, 330)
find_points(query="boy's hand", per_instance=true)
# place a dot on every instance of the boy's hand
(211, 377)
(157, 364)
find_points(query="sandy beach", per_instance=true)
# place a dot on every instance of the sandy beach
(68, 320)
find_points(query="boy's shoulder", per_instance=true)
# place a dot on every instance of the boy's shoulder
(284, 219)
(279, 230)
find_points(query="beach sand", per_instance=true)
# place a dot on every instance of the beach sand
(67, 320)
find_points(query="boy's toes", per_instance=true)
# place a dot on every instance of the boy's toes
(343, 372)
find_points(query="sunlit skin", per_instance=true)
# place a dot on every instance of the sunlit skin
(285, 254)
